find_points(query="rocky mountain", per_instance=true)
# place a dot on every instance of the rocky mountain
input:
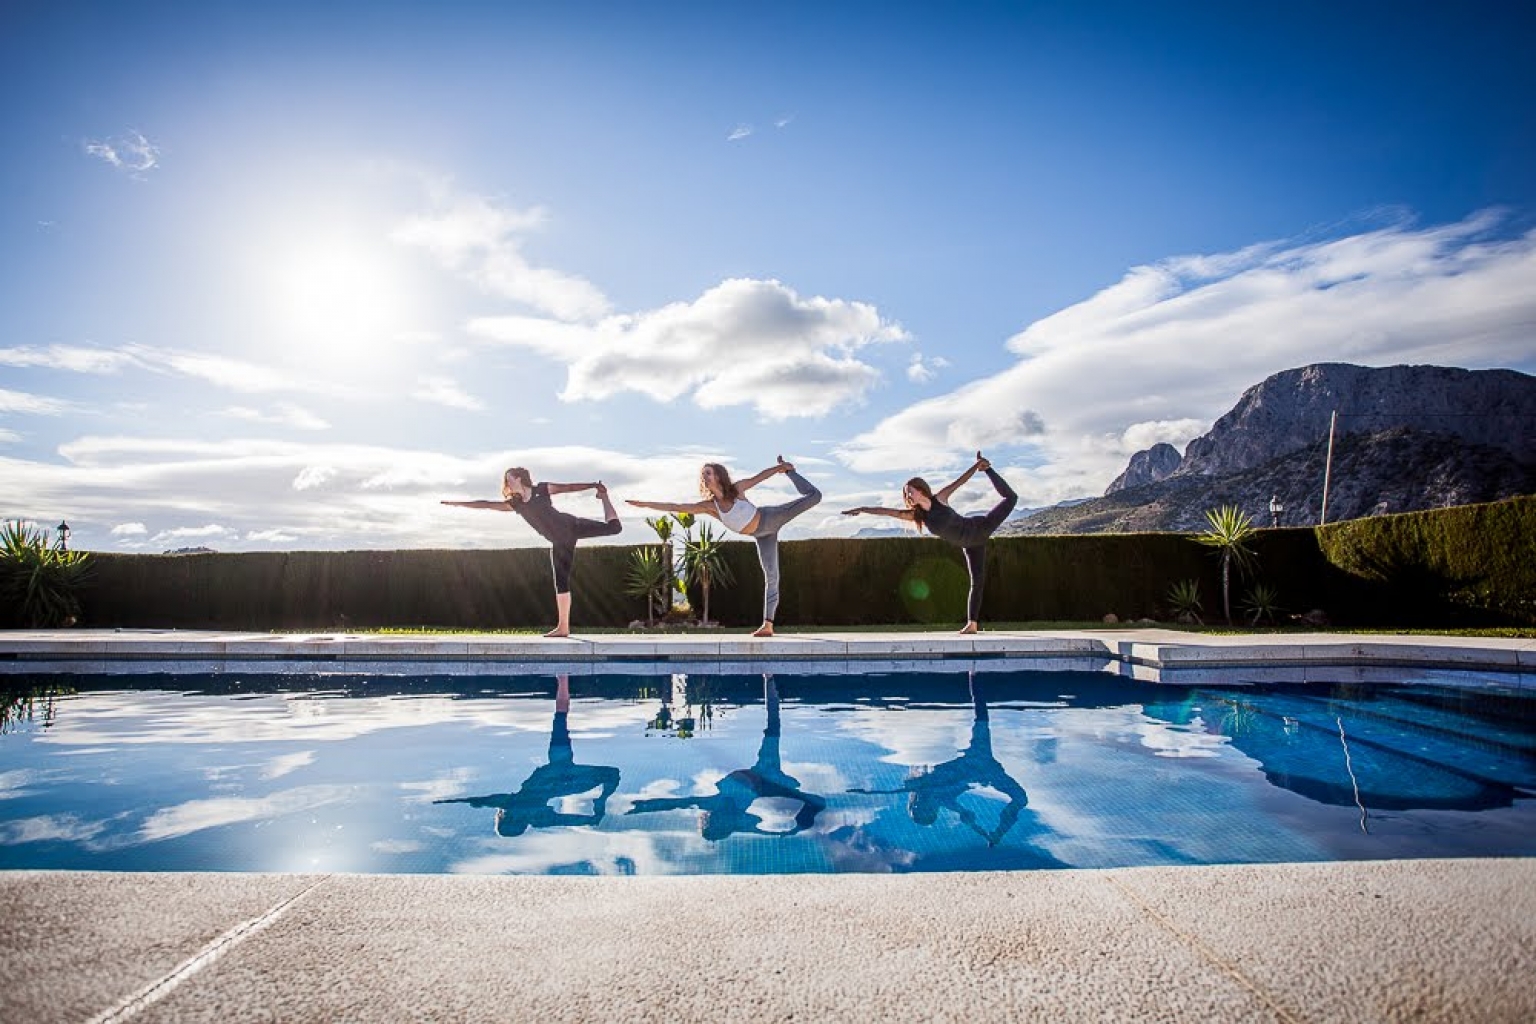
(1148, 467)
(1407, 438)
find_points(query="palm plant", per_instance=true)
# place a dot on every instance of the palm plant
(1184, 599)
(648, 577)
(1262, 602)
(40, 581)
(704, 563)
(1229, 533)
(663, 527)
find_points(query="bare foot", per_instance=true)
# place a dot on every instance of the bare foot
(766, 629)
(969, 628)
(557, 633)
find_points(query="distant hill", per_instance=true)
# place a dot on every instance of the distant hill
(1408, 438)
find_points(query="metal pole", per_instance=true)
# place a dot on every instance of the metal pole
(1328, 466)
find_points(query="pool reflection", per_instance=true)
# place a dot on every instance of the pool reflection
(561, 778)
(728, 810)
(720, 772)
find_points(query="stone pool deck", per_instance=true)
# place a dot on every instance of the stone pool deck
(1365, 941)
(1151, 654)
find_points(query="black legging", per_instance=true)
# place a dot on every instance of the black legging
(567, 530)
(970, 534)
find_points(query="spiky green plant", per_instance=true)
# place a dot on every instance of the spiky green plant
(647, 577)
(1262, 602)
(1229, 533)
(704, 563)
(40, 582)
(1184, 600)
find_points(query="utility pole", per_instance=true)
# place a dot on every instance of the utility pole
(1328, 466)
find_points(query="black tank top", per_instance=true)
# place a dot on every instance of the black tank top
(944, 522)
(541, 514)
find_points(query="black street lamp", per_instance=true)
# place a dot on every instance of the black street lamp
(1275, 508)
(63, 529)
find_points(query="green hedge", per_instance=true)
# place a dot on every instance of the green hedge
(355, 589)
(1473, 565)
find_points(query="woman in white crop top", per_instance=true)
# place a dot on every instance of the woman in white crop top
(726, 501)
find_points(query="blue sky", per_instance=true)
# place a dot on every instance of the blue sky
(276, 277)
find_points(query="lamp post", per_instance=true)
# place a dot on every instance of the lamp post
(1275, 508)
(63, 529)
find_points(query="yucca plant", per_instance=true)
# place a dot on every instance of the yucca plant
(1262, 602)
(648, 577)
(1229, 533)
(1184, 600)
(704, 563)
(39, 581)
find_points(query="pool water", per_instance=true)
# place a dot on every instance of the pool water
(751, 774)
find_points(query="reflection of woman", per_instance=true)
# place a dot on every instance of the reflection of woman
(930, 510)
(561, 777)
(728, 810)
(726, 500)
(532, 501)
(942, 786)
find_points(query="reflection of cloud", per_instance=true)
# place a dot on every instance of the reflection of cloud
(397, 846)
(444, 787)
(49, 828)
(604, 853)
(196, 815)
(15, 783)
(1176, 741)
(285, 763)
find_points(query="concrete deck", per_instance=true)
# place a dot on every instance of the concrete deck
(1382, 941)
(1151, 654)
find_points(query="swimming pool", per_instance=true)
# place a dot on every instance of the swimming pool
(679, 773)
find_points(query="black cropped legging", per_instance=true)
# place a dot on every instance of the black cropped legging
(563, 533)
(970, 534)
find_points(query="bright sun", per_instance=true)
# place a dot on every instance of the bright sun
(336, 298)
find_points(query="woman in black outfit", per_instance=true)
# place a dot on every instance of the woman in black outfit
(562, 530)
(931, 511)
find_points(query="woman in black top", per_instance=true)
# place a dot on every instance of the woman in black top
(931, 511)
(562, 530)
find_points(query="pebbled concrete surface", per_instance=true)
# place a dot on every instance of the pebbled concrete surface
(1379, 941)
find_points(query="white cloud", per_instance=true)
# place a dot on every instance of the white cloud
(741, 131)
(921, 371)
(445, 391)
(131, 153)
(481, 241)
(129, 530)
(282, 413)
(357, 496)
(77, 358)
(232, 374)
(784, 122)
(1170, 347)
(9, 436)
(311, 477)
(743, 342)
(33, 405)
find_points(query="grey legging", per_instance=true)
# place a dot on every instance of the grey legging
(770, 520)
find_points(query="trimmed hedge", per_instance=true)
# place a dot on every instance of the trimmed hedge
(1473, 565)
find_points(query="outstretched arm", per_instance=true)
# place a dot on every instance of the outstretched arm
(980, 464)
(695, 507)
(494, 506)
(568, 488)
(752, 481)
(869, 510)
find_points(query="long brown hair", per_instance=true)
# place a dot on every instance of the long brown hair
(507, 490)
(919, 515)
(723, 478)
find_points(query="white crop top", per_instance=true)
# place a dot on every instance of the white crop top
(739, 516)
